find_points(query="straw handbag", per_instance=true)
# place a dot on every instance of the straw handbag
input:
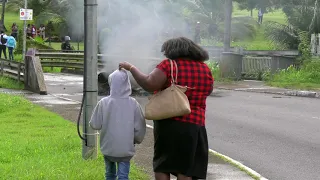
(168, 103)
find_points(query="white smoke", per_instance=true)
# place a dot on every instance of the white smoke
(133, 29)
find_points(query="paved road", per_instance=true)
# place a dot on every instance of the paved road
(277, 136)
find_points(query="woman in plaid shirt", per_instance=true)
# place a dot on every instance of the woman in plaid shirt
(181, 144)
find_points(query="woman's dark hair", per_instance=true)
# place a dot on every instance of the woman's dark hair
(184, 48)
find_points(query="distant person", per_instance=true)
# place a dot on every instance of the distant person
(33, 31)
(11, 44)
(66, 46)
(29, 31)
(121, 123)
(42, 31)
(14, 30)
(260, 16)
(3, 44)
(197, 38)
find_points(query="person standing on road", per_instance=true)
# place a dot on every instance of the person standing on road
(180, 143)
(3, 44)
(11, 44)
(122, 124)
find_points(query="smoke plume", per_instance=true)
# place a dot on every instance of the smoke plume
(134, 30)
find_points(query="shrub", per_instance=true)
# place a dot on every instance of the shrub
(306, 77)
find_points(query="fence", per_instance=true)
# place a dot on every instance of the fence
(12, 69)
(262, 64)
(250, 64)
(75, 60)
(256, 64)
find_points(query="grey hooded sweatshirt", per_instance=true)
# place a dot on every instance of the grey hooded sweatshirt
(120, 120)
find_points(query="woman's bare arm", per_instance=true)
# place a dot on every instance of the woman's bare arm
(152, 82)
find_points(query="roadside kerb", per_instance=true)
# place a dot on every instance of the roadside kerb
(284, 92)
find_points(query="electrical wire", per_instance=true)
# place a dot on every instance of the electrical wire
(79, 117)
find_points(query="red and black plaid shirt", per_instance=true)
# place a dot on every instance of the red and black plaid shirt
(195, 75)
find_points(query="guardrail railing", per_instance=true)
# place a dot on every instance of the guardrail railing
(12, 69)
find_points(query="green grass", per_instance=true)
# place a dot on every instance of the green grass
(52, 70)
(10, 18)
(38, 144)
(295, 85)
(9, 83)
(260, 42)
(306, 78)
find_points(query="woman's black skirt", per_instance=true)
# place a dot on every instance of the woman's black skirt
(180, 148)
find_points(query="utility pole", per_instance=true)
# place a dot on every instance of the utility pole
(227, 25)
(24, 33)
(3, 11)
(90, 85)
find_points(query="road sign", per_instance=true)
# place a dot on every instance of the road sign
(26, 14)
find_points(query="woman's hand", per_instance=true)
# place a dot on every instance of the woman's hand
(125, 65)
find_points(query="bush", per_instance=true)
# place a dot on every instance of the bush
(307, 77)
(37, 43)
(215, 70)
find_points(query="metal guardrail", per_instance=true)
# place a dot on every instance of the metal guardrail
(12, 69)
(250, 64)
(75, 60)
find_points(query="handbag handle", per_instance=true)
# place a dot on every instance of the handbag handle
(174, 80)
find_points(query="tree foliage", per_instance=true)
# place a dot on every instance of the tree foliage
(302, 16)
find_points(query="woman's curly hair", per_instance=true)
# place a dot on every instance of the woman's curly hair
(184, 48)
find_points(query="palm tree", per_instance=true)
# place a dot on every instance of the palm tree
(302, 16)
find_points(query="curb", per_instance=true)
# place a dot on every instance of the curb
(239, 165)
(309, 94)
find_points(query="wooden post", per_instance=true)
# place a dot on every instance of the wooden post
(19, 71)
(317, 44)
(2, 68)
(313, 44)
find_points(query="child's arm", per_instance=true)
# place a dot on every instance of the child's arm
(139, 125)
(96, 118)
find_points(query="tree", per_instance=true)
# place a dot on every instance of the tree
(250, 5)
(302, 16)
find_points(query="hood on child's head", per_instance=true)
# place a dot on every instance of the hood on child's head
(120, 85)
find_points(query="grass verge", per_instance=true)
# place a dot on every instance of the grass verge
(305, 78)
(52, 70)
(238, 165)
(9, 83)
(38, 144)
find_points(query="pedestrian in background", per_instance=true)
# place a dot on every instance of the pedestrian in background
(11, 44)
(3, 44)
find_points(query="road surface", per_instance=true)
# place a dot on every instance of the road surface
(277, 136)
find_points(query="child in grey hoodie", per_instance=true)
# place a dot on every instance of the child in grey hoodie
(122, 124)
